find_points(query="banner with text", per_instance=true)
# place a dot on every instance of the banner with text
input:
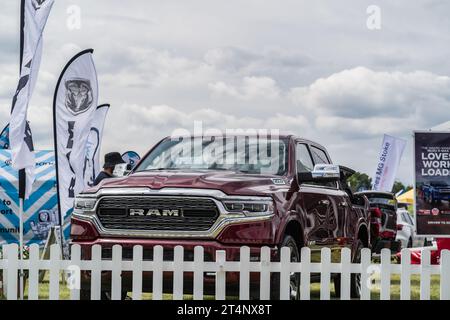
(388, 161)
(74, 108)
(432, 187)
(40, 209)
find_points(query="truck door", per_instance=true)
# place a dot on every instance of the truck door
(339, 213)
(314, 205)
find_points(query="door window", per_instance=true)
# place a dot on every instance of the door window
(303, 157)
(319, 156)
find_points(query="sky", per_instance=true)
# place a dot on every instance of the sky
(310, 68)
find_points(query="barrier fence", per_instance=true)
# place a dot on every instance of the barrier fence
(10, 265)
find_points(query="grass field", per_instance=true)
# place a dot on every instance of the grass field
(315, 290)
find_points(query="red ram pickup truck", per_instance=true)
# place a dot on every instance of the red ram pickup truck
(223, 193)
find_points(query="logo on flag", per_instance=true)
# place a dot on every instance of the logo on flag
(79, 96)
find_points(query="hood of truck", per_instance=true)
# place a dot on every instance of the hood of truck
(229, 182)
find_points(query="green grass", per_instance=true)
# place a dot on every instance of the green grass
(315, 290)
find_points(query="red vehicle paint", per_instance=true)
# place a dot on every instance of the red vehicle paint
(224, 208)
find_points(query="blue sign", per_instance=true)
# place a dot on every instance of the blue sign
(131, 158)
(40, 209)
(4, 138)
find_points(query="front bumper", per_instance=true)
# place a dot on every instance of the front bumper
(210, 249)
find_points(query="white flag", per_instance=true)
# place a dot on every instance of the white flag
(33, 19)
(74, 108)
(388, 161)
(92, 158)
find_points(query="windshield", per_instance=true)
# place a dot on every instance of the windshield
(251, 155)
(439, 184)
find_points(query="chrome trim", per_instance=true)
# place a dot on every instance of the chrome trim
(224, 219)
(221, 222)
(214, 193)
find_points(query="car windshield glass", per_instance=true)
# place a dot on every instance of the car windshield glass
(250, 155)
(386, 201)
(438, 184)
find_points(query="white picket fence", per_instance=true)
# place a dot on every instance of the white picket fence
(10, 265)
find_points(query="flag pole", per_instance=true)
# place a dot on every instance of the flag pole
(21, 275)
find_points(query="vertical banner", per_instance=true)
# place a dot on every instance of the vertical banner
(74, 107)
(91, 167)
(4, 138)
(432, 183)
(34, 16)
(388, 162)
(131, 158)
(40, 212)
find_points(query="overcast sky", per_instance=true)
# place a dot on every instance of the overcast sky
(311, 68)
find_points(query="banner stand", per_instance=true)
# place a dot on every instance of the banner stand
(54, 236)
(21, 274)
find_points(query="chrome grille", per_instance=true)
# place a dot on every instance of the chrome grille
(197, 214)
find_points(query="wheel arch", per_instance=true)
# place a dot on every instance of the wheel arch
(294, 228)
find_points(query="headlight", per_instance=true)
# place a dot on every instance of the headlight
(249, 208)
(85, 203)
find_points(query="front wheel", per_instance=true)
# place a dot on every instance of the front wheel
(294, 286)
(355, 278)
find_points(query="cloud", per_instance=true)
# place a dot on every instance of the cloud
(148, 124)
(251, 88)
(363, 100)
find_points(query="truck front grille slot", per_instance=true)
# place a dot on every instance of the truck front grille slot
(156, 213)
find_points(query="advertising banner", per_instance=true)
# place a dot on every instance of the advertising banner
(40, 209)
(432, 183)
(388, 162)
(33, 16)
(91, 167)
(131, 158)
(74, 107)
(4, 138)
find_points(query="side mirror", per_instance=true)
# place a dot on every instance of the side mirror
(321, 173)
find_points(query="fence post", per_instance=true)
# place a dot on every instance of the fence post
(425, 275)
(199, 257)
(75, 279)
(178, 261)
(445, 275)
(265, 274)
(116, 277)
(158, 252)
(366, 256)
(405, 277)
(244, 274)
(385, 289)
(96, 281)
(220, 275)
(305, 275)
(137, 272)
(325, 260)
(345, 273)
(55, 257)
(12, 267)
(285, 273)
(33, 273)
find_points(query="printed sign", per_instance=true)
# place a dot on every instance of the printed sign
(432, 183)
(40, 209)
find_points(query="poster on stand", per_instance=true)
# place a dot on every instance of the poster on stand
(432, 183)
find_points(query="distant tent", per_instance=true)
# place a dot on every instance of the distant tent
(40, 210)
(407, 197)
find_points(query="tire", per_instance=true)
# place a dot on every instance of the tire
(355, 278)
(290, 242)
(410, 243)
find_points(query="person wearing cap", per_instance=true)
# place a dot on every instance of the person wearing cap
(111, 160)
